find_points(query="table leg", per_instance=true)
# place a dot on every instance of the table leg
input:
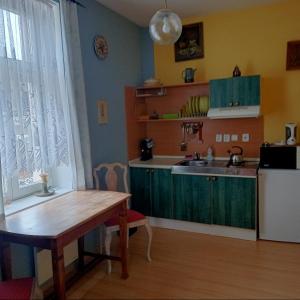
(80, 244)
(58, 272)
(5, 260)
(123, 240)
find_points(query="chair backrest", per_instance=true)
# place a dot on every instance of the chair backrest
(112, 176)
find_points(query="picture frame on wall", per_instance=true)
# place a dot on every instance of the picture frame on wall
(190, 45)
(102, 112)
(293, 55)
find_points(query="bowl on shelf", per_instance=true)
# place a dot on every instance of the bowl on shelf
(152, 82)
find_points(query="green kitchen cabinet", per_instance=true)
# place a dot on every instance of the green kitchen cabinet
(140, 189)
(234, 201)
(229, 201)
(151, 191)
(235, 91)
(191, 196)
(161, 193)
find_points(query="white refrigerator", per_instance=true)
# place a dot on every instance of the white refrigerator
(279, 205)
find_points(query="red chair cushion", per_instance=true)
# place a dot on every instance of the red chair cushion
(16, 289)
(132, 216)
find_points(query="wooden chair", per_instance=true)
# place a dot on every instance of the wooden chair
(107, 174)
(20, 289)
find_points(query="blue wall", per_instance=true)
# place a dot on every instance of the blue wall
(106, 79)
(147, 54)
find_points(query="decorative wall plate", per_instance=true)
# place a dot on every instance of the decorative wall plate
(100, 46)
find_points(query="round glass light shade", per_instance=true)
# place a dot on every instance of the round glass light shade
(165, 27)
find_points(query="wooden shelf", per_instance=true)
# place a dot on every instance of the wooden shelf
(161, 90)
(174, 85)
(157, 91)
(191, 119)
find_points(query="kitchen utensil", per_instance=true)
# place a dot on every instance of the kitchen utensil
(183, 144)
(290, 133)
(200, 133)
(198, 105)
(195, 128)
(193, 106)
(188, 75)
(205, 104)
(236, 159)
(202, 106)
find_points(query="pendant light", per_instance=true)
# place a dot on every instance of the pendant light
(165, 26)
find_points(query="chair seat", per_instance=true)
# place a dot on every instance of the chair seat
(17, 289)
(132, 216)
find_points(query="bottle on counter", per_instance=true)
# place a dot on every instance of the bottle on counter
(210, 155)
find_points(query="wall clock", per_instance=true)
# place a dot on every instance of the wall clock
(100, 47)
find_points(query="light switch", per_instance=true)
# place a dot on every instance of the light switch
(219, 138)
(245, 137)
(226, 138)
(234, 137)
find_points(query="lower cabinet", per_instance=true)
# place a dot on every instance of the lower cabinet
(191, 195)
(218, 200)
(234, 201)
(229, 201)
(140, 189)
(151, 191)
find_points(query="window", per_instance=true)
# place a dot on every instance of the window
(33, 131)
(11, 41)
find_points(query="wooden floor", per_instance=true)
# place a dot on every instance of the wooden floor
(196, 266)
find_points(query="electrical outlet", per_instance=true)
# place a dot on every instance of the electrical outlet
(219, 138)
(234, 137)
(226, 138)
(245, 137)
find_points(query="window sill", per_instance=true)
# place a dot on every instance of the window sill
(32, 200)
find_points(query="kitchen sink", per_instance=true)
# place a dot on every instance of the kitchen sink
(193, 163)
(215, 167)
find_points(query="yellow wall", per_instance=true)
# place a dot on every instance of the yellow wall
(254, 39)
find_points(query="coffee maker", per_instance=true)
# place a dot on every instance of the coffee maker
(146, 146)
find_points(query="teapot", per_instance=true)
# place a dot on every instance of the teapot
(188, 75)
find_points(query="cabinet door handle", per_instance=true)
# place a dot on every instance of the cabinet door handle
(147, 171)
(208, 178)
(236, 103)
(152, 171)
(214, 178)
(230, 104)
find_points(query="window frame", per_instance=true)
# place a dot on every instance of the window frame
(14, 191)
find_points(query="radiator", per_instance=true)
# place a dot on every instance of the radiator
(43, 262)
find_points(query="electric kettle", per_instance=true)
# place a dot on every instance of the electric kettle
(236, 159)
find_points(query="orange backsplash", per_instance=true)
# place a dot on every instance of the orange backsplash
(167, 135)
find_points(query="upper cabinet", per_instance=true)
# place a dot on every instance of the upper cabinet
(235, 92)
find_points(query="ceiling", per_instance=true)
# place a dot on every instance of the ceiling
(141, 11)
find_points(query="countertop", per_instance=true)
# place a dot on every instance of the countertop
(157, 162)
(215, 167)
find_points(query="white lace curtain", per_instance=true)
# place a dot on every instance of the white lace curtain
(38, 118)
(32, 123)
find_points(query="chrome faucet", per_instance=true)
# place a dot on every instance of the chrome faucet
(196, 156)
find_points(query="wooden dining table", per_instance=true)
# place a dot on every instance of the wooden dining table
(54, 224)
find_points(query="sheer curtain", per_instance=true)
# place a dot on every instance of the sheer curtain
(41, 88)
(76, 94)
